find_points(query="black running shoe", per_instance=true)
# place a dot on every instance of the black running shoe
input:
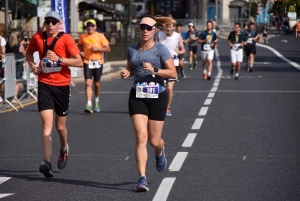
(250, 69)
(236, 78)
(209, 77)
(231, 71)
(63, 158)
(46, 169)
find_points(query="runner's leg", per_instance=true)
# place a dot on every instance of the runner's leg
(47, 122)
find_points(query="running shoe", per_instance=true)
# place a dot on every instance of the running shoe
(142, 185)
(195, 64)
(209, 77)
(231, 71)
(168, 112)
(88, 109)
(190, 68)
(63, 158)
(204, 76)
(96, 107)
(161, 161)
(236, 78)
(250, 69)
(46, 169)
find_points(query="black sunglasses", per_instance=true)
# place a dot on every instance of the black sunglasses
(53, 22)
(90, 25)
(146, 27)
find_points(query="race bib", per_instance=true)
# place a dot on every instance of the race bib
(265, 32)
(49, 66)
(236, 46)
(94, 64)
(207, 47)
(144, 90)
(250, 40)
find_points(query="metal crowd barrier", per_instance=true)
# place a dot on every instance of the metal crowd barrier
(10, 79)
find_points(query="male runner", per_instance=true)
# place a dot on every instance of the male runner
(250, 47)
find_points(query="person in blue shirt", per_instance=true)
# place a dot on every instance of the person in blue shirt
(250, 48)
(182, 56)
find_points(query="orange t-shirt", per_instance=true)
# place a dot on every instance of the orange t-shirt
(65, 47)
(89, 40)
(298, 26)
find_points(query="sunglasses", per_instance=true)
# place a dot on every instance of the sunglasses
(90, 25)
(144, 27)
(53, 22)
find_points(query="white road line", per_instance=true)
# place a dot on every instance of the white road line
(208, 101)
(188, 142)
(214, 89)
(4, 179)
(203, 111)
(164, 189)
(216, 84)
(197, 124)
(280, 56)
(127, 157)
(211, 95)
(2, 195)
(178, 161)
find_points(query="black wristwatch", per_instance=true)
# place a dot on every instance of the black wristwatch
(155, 71)
(60, 59)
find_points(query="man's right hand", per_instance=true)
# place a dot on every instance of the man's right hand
(36, 70)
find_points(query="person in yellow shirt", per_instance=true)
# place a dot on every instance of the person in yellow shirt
(93, 44)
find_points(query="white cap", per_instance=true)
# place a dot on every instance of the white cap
(191, 24)
(53, 14)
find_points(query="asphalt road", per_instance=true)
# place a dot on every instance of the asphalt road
(246, 139)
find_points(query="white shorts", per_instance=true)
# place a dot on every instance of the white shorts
(207, 54)
(236, 55)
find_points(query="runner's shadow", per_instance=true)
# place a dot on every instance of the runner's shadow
(114, 186)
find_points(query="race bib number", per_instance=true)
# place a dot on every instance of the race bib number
(250, 40)
(236, 46)
(94, 64)
(207, 47)
(265, 32)
(49, 66)
(144, 90)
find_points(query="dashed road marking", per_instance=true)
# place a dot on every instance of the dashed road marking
(188, 142)
(2, 180)
(211, 95)
(197, 124)
(164, 189)
(208, 101)
(203, 111)
(178, 161)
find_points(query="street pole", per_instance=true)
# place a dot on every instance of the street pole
(249, 7)
(6, 15)
(216, 10)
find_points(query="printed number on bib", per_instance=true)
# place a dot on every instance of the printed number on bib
(207, 47)
(50, 66)
(236, 46)
(147, 91)
(94, 64)
(250, 40)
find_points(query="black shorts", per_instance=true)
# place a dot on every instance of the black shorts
(194, 49)
(54, 97)
(154, 108)
(265, 35)
(250, 49)
(181, 56)
(90, 73)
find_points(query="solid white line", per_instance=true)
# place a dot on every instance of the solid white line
(164, 189)
(211, 95)
(4, 179)
(178, 161)
(197, 124)
(188, 142)
(280, 56)
(207, 101)
(203, 111)
(214, 89)
(2, 195)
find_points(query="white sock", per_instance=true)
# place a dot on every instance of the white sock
(89, 103)
(204, 71)
(97, 99)
(209, 73)
(143, 176)
(236, 75)
(233, 68)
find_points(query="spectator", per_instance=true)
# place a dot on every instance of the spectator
(15, 47)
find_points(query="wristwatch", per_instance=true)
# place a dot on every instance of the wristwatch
(155, 71)
(60, 59)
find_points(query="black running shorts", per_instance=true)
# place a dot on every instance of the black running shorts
(54, 97)
(194, 49)
(250, 49)
(90, 73)
(154, 108)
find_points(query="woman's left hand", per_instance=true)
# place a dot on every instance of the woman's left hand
(148, 66)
